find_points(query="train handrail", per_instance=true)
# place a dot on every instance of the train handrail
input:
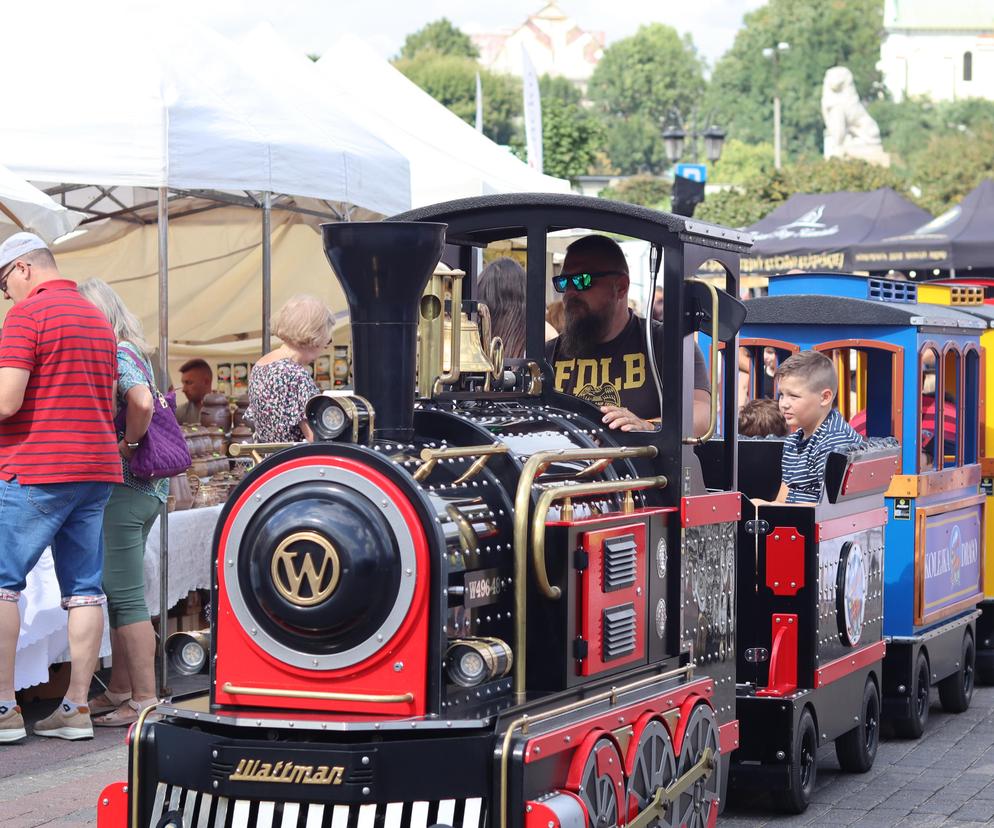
(713, 418)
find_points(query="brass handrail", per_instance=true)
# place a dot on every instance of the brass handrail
(238, 449)
(533, 467)
(713, 420)
(549, 496)
(431, 456)
(316, 694)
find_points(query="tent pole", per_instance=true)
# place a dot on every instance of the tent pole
(267, 268)
(163, 224)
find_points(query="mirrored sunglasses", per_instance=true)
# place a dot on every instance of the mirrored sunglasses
(579, 281)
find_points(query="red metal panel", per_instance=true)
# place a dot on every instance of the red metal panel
(869, 475)
(112, 806)
(785, 560)
(783, 657)
(594, 599)
(728, 736)
(837, 527)
(569, 737)
(701, 510)
(842, 667)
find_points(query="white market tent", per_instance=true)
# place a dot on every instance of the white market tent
(24, 207)
(449, 158)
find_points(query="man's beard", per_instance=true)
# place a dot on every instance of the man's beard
(582, 333)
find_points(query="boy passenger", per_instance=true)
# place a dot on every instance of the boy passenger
(807, 385)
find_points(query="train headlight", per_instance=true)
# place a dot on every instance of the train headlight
(339, 415)
(188, 651)
(473, 661)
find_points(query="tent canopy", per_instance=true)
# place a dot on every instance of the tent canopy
(961, 238)
(449, 158)
(169, 103)
(820, 231)
(24, 207)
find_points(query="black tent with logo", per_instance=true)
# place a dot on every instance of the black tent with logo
(820, 231)
(960, 240)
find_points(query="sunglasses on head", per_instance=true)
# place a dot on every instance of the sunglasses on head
(579, 281)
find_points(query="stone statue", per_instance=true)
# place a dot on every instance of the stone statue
(850, 132)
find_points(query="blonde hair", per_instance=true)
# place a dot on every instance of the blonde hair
(303, 322)
(126, 326)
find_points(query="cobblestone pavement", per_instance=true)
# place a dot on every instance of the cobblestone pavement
(945, 779)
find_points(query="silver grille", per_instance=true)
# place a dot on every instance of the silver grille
(619, 631)
(619, 562)
(201, 810)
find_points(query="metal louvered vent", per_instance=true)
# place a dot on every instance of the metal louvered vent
(890, 291)
(619, 562)
(619, 631)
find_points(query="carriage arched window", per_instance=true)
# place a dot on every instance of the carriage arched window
(928, 368)
(971, 405)
(968, 66)
(950, 411)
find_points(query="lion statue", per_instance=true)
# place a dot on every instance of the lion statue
(850, 132)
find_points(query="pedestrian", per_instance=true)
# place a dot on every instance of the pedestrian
(280, 383)
(197, 379)
(128, 518)
(501, 288)
(58, 461)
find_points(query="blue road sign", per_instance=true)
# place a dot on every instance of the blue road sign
(695, 172)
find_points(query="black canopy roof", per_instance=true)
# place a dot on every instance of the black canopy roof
(961, 238)
(820, 231)
(811, 309)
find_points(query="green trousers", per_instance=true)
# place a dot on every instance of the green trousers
(128, 519)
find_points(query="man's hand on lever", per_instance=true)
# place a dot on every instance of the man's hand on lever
(618, 417)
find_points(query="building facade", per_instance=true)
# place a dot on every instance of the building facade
(555, 43)
(940, 50)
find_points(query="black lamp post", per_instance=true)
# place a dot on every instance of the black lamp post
(687, 193)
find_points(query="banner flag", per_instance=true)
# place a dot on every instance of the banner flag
(533, 112)
(479, 104)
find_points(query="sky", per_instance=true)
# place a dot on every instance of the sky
(312, 25)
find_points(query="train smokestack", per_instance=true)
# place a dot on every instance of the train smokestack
(384, 268)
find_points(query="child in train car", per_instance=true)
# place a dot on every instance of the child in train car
(807, 385)
(761, 418)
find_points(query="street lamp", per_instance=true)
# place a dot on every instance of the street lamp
(774, 55)
(714, 141)
(674, 138)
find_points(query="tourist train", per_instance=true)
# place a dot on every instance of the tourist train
(470, 603)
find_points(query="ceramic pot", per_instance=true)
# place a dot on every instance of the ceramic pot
(241, 403)
(215, 413)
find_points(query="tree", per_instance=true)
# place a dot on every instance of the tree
(451, 80)
(637, 83)
(907, 127)
(740, 163)
(441, 37)
(950, 166)
(821, 34)
(558, 88)
(647, 190)
(571, 137)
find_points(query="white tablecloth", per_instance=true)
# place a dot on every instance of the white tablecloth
(44, 637)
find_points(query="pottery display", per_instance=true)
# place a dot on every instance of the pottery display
(215, 412)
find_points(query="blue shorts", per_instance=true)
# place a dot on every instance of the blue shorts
(66, 516)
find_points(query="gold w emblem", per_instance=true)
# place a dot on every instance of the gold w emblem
(291, 568)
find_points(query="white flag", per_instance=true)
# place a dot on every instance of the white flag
(533, 112)
(479, 104)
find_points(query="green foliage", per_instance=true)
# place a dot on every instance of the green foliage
(821, 35)
(733, 207)
(647, 190)
(451, 80)
(637, 83)
(554, 87)
(740, 163)
(441, 37)
(951, 165)
(571, 137)
(907, 127)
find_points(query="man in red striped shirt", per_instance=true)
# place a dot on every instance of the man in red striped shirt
(58, 459)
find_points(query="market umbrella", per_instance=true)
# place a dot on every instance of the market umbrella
(24, 207)
(961, 238)
(820, 231)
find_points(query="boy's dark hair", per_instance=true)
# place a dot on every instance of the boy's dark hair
(761, 418)
(813, 368)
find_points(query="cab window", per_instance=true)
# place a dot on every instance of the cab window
(928, 369)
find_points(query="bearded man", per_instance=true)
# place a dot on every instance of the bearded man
(600, 356)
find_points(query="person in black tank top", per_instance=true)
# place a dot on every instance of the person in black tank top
(601, 356)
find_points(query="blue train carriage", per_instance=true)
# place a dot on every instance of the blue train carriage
(898, 357)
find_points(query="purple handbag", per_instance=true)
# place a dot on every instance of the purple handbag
(163, 451)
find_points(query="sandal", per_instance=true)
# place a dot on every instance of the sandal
(106, 702)
(125, 715)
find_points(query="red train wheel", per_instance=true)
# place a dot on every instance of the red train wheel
(597, 776)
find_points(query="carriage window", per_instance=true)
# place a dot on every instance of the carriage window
(950, 417)
(929, 375)
(869, 384)
(757, 365)
(971, 405)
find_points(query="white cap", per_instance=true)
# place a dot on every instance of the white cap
(19, 244)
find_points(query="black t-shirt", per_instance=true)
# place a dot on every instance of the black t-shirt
(617, 372)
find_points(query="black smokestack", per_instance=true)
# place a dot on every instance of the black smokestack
(384, 268)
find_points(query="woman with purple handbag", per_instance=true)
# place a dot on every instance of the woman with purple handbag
(128, 518)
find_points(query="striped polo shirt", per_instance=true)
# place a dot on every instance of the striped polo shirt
(64, 430)
(804, 460)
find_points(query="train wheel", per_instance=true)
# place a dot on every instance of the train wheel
(698, 808)
(956, 691)
(913, 726)
(653, 767)
(597, 777)
(803, 767)
(857, 749)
